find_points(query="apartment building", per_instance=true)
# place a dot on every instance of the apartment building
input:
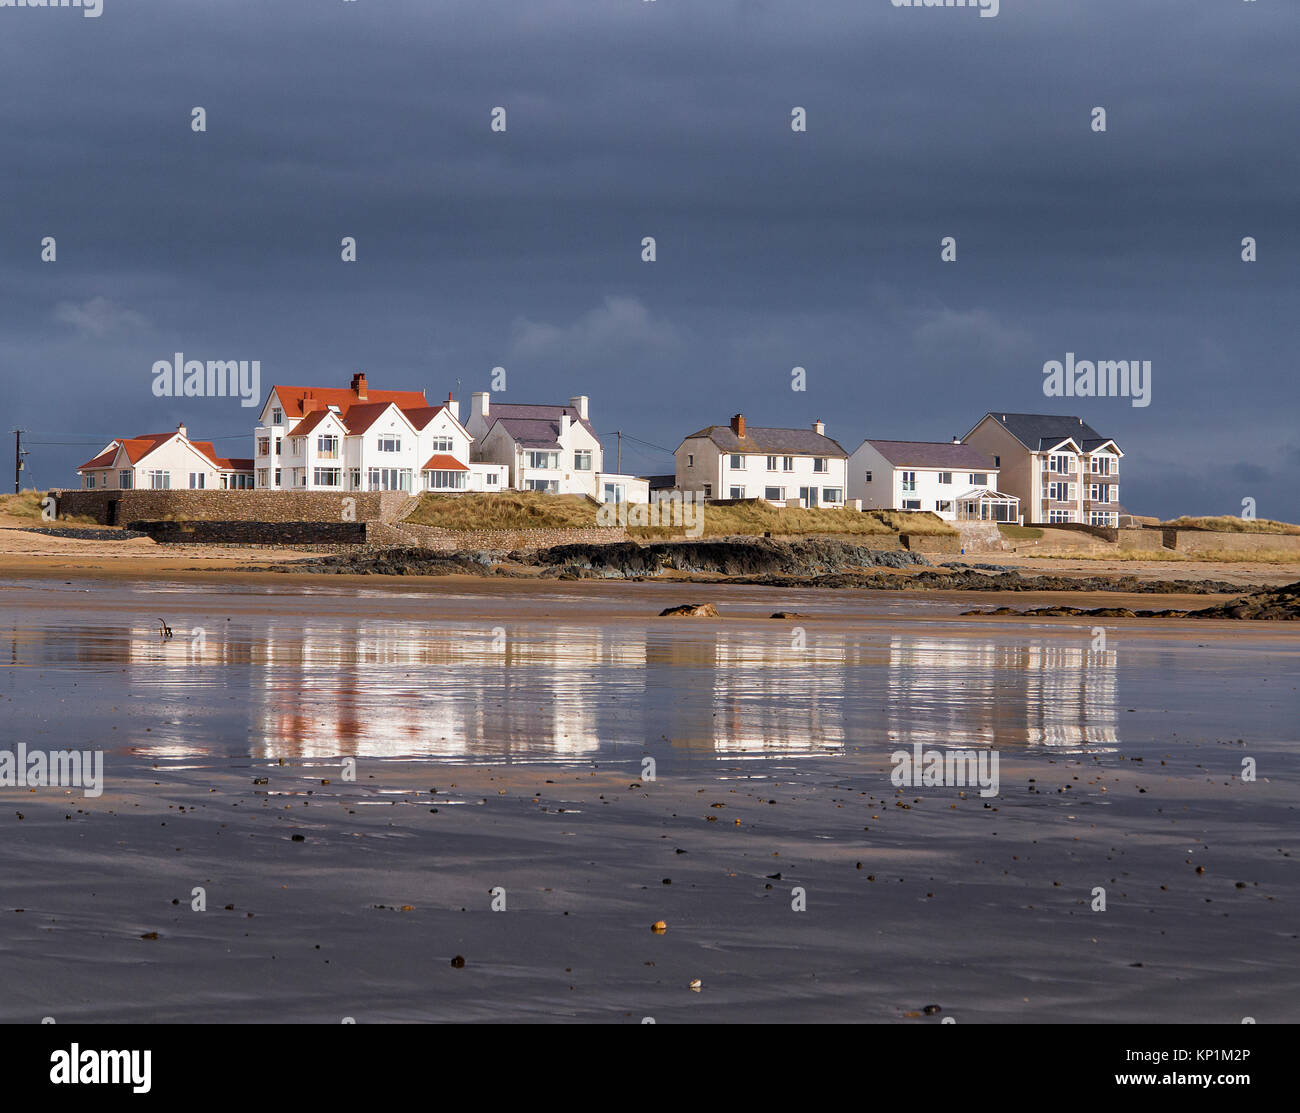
(1060, 468)
(781, 465)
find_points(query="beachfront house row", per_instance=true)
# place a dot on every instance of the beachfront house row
(801, 467)
(956, 481)
(361, 439)
(1060, 468)
(551, 448)
(164, 462)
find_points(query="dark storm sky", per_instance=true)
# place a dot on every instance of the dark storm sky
(668, 118)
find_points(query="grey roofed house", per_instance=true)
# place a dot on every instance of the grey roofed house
(933, 454)
(534, 426)
(1038, 432)
(770, 441)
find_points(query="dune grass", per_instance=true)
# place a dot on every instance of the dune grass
(1019, 533)
(1226, 523)
(26, 505)
(511, 510)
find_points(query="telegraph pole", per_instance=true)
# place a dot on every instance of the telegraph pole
(18, 458)
(619, 433)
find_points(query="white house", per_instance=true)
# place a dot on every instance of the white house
(956, 481)
(327, 439)
(1060, 467)
(737, 461)
(550, 448)
(164, 462)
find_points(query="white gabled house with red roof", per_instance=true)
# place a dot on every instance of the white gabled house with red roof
(359, 439)
(164, 462)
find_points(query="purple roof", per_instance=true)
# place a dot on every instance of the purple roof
(933, 454)
(534, 426)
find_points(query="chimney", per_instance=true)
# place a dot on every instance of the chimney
(738, 425)
(956, 439)
(564, 424)
(478, 404)
(453, 407)
(359, 385)
(579, 403)
(819, 427)
(182, 431)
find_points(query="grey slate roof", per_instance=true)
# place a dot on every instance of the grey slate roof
(771, 441)
(1038, 432)
(933, 454)
(533, 426)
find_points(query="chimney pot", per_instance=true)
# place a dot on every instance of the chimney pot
(738, 425)
(819, 427)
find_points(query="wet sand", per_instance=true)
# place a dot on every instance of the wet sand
(1135, 753)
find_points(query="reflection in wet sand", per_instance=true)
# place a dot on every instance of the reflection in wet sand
(525, 690)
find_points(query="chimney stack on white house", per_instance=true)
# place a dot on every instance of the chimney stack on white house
(453, 407)
(738, 424)
(359, 386)
(819, 427)
(564, 425)
(183, 431)
(478, 404)
(579, 403)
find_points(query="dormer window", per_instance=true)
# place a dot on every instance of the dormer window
(277, 416)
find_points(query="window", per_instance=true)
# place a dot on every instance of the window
(261, 477)
(542, 460)
(774, 494)
(90, 481)
(911, 504)
(389, 479)
(1101, 518)
(327, 447)
(1060, 515)
(737, 493)
(690, 459)
(277, 445)
(821, 464)
(944, 506)
(491, 479)
(615, 492)
(390, 444)
(277, 416)
(708, 490)
(945, 477)
(737, 462)
(868, 474)
(1095, 492)
(771, 463)
(354, 479)
(124, 480)
(442, 444)
(277, 477)
(328, 477)
(909, 481)
(787, 463)
(264, 446)
(808, 496)
(1060, 464)
(197, 479)
(1058, 492)
(832, 494)
(979, 479)
(582, 460)
(440, 480)
(997, 461)
(296, 445)
(159, 480)
(550, 486)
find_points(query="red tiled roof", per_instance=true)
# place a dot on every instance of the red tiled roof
(420, 416)
(235, 463)
(362, 416)
(298, 401)
(440, 461)
(103, 460)
(308, 423)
